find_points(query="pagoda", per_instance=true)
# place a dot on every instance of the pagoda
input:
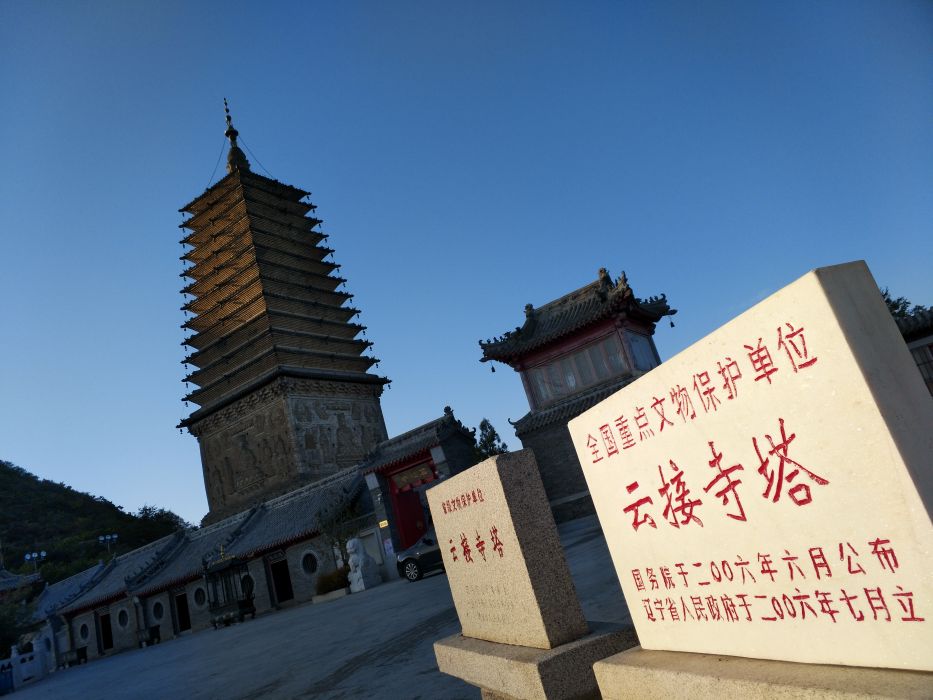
(282, 384)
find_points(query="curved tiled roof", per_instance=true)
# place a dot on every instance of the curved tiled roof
(580, 308)
(10, 581)
(297, 514)
(59, 594)
(420, 439)
(111, 581)
(186, 559)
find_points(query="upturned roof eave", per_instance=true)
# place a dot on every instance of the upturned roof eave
(513, 347)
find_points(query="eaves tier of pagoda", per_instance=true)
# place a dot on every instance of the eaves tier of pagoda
(264, 300)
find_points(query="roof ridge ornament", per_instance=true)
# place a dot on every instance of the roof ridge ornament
(236, 159)
(605, 283)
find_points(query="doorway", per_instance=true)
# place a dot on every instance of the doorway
(281, 580)
(181, 610)
(409, 517)
(106, 632)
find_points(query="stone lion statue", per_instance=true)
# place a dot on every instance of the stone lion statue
(364, 571)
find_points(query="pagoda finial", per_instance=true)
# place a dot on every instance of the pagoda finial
(236, 159)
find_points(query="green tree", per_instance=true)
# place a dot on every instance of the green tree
(41, 515)
(339, 522)
(900, 307)
(15, 619)
(488, 443)
(152, 523)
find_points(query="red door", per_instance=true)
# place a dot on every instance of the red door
(409, 517)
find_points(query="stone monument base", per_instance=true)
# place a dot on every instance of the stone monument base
(506, 671)
(640, 673)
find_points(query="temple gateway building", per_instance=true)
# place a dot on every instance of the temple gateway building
(572, 353)
(283, 388)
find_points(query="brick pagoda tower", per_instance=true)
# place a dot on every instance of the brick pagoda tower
(283, 388)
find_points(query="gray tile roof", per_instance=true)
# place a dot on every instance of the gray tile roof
(10, 581)
(57, 595)
(297, 514)
(185, 560)
(111, 582)
(409, 444)
(578, 309)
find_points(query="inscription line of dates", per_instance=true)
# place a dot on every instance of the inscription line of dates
(784, 606)
(775, 465)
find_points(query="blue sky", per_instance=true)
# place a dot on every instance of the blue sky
(467, 158)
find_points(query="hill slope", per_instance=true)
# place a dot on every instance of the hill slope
(38, 514)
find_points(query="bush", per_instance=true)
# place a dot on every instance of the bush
(332, 580)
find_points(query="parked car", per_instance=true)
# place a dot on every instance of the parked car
(422, 557)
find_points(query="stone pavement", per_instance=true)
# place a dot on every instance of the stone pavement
(373, 644)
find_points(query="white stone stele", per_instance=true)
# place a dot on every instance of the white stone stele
(862, 424)
(512, 584)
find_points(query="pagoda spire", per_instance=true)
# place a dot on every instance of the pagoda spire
(236, 159)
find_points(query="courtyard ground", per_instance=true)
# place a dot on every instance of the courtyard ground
(374, 644)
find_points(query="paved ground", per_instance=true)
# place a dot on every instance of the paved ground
(374, 644)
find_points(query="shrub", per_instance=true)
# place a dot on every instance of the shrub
(332, 580)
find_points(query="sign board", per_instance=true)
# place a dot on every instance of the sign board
(505, 563)
(766, 493)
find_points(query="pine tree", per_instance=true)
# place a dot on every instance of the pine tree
(488, 443)
(900, 307)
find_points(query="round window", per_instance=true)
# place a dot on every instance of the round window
(84, 632)
(158, 611)
(309, 563)
(199, 596)
(123, 618)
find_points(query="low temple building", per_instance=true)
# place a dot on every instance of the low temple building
(276, 551)
(572, 353)
(400, 469)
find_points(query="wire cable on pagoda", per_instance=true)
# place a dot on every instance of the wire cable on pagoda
(253, 155)
(223, 143)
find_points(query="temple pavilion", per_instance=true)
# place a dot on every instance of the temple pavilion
(572, 353)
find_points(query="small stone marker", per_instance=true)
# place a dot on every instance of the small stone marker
(505, 563)
(766, 493)
(524, 634)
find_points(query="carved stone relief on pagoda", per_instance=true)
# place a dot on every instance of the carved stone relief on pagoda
(248, 456)
(334, 433)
